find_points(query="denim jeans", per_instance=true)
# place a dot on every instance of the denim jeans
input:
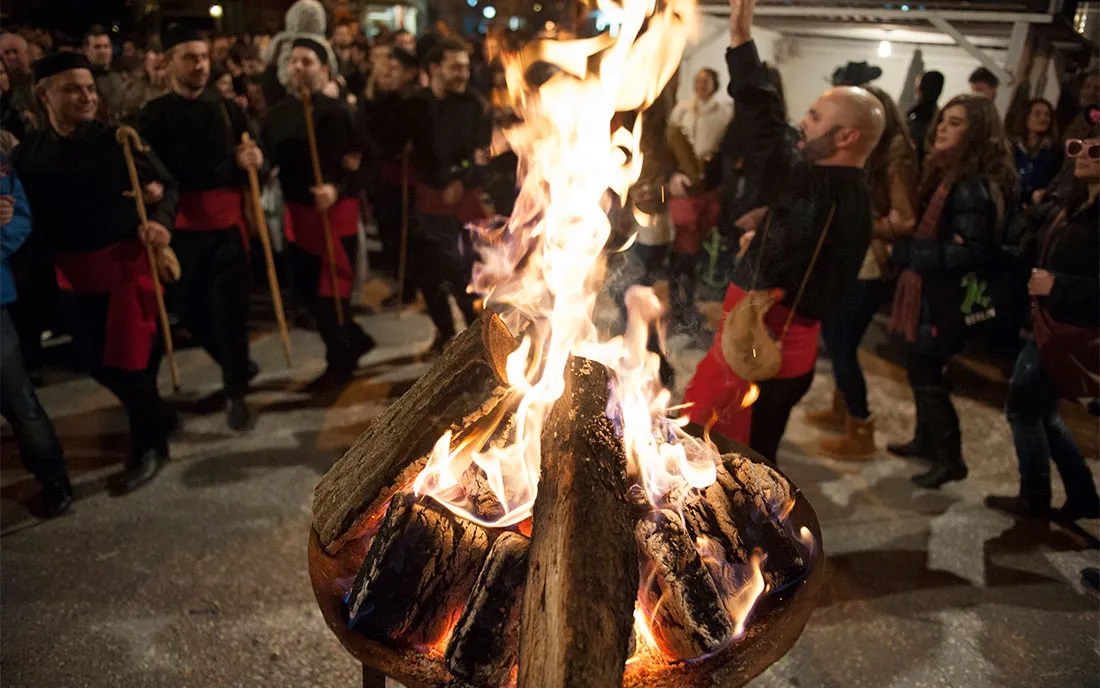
(842, 331)
(38, 446)
(1040, 435)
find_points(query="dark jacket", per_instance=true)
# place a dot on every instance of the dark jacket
(967, 241)
(1071, 250)
(1036, 170)
(76, 186)
(782, 251)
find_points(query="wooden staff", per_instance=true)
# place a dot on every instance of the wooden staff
(128, 138)
(403, 256)
(269, 258)
(319, 180)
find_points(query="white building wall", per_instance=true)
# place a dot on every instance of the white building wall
(808, 63)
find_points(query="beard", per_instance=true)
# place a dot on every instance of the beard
(821, 148)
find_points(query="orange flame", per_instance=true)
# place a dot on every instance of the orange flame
(543, 270)
(750, 396)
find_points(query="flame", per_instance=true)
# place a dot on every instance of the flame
(751, 396)
(645, 641)
(542, 271)
(740, 585)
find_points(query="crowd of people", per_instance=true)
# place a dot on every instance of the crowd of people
(958, 224)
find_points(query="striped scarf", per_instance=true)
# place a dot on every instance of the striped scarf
(905, 316)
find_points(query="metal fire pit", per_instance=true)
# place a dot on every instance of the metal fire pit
(775, 624)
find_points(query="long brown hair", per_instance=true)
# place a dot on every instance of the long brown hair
(983, 149)
(895, 146)
(1018, 132)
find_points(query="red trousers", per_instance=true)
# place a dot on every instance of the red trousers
(718, 395)
(694, 217)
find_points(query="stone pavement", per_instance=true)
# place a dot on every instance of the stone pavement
(200, 578)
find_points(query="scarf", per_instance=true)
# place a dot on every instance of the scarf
(905, 315)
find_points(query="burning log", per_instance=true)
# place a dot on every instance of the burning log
(485, 644)
(764, 497)
(742, 511)
(687, 617)
(467, 382)
(582, 577)
(418, 573)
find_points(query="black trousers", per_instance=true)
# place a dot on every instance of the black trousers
(937, 420)
(681, 282)
(34, 434)
(149, 415)
(387, 213)
(773, 409)
(340, 342)
(212, 298)
(440, 264)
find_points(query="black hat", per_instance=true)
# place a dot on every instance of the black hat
(59, 62)
(178, 33)
(406, 58)
(314, 45)
(855, 74)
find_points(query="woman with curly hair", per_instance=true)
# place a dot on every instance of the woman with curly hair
(968, 182)
(892, 177)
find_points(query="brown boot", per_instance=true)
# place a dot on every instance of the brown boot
(830, 418)
(858, 441)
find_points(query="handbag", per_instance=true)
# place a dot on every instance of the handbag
(748, 346)
(1070, 354)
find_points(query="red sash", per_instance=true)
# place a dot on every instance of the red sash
(306, 229)
(429, 201)
(203, 211)
(716, 392)
(694, 217)
(122, 271)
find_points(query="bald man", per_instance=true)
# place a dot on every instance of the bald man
(806, 248)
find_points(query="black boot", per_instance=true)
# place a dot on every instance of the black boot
(946, 443)
(1018, 506)
(57, 497)
(919, 447)
(139, 470)
(238, 416)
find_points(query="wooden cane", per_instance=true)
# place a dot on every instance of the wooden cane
(403, 255)
(128, 138)
(269, 257)
(319, 180)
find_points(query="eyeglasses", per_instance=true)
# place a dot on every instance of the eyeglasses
(1075, 148)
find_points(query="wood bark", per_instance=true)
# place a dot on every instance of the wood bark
(467, 382)
(485, 645)
(743, 511)
(418, 573)
(582, 576)
(687, 617)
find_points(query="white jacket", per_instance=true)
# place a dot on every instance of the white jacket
(704, 123)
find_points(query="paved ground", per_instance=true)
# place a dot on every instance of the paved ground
(200, 578)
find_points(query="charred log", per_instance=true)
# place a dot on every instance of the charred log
(418, 573)
(742, 511)
(582, 576)
(687, 617)
(763, 499)
(466, 384)
(485, 645)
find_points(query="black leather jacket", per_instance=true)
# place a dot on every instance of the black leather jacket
(967, 241)
(1071, 250)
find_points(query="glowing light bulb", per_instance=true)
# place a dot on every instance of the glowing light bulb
(216, 11)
